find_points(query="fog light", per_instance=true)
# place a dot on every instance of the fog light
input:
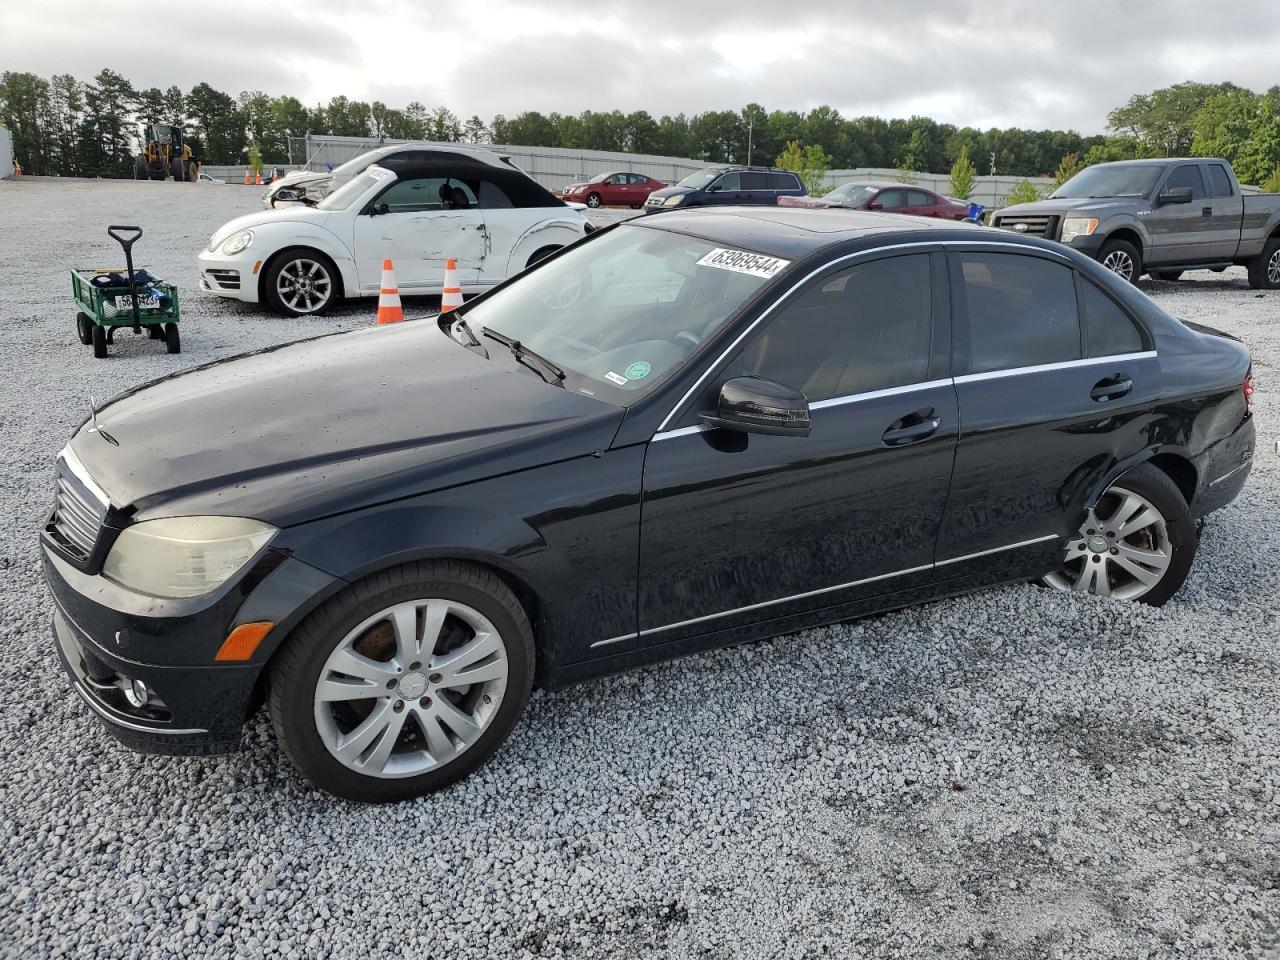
(137, 693)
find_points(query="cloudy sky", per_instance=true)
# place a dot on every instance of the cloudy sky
(991, 63)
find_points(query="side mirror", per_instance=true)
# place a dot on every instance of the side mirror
(377, 209)
(713, 188)
(1176, 195)
(875, 206)
(756, 405)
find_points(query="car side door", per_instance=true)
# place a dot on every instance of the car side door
(920, 204)
(1228, 212)
(891, 200)
(1181, 232)
(727, 188)
(418, 224)
(1056, 384)
(741, 527)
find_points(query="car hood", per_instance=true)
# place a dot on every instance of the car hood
(670, 191)
(332, 424)
(263, 217)
(1068, 204)
(299, 177)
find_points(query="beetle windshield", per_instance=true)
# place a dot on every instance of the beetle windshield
(1136, 180)
(620, 312)
(353, 190)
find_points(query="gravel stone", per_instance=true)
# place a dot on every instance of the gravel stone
(977, 776)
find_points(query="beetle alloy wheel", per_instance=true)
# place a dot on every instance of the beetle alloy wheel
(1123, 549)
(1273, 268)
(304, 285)
(1119, 263)
(411, 688)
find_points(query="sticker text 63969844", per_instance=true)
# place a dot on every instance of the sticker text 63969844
(740, 261)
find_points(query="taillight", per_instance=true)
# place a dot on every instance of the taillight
(1247, 390)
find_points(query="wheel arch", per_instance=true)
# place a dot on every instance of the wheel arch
(269, 261)
(1130, 235)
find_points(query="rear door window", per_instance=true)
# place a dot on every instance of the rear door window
(918, 198)
(891, 199)
(784, 181)
(1108, 329)
(1021, 312)
(1220, 180)
(1187, 175)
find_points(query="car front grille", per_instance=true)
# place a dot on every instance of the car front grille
(78, 513)
(225, 279)
(1031, 225)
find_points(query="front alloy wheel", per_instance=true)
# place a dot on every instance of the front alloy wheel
(404, 682)
(1136, 543)
(300, 284)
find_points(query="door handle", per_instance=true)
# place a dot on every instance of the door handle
(1112, 388)
(1206, 211)
(912, 428)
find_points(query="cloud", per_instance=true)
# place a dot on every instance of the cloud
(991, 63)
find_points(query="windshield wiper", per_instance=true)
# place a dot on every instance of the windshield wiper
(530, 358)
(466, 327)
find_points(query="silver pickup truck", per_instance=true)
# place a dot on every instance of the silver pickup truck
(1159, 217)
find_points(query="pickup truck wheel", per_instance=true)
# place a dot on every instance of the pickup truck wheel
(1122, 258)
(1166, 275)
(1264, 269)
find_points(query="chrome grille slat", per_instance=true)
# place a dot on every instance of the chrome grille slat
(77, 513)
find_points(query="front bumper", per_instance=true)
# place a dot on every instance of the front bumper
(107, 637)
(231, 277)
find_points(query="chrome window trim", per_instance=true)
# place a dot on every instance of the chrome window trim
(826, 266)
(877, 394)
(1048, 367)
(822, 590)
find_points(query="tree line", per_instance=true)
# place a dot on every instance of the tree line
(67, 127)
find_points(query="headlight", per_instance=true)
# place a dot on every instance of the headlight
(673, 200)
(1073, 227)
(184, 556)
(237, 242)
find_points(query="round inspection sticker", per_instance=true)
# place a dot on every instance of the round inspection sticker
(638, 370)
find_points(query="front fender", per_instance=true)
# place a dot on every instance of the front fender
(271, 238)
(1123, 221)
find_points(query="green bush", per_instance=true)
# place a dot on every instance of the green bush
(811, 163)
(1068, 167)
(963, 175)
(1272, 183)
(1024, 192)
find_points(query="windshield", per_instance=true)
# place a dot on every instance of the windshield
(699, 180)
(1112, 181)
(365, 160)
(852, 194)
(353, 190)
(600, 178)
(623, 310)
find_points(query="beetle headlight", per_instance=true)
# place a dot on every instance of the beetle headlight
(1073, 227)
(184, 556)
(237, 242)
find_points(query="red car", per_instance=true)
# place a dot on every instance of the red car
(613, 189)
(886, 196)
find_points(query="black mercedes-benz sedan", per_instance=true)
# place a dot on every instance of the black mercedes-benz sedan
(682, 432)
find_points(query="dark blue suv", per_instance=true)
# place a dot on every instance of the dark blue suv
(720, 185)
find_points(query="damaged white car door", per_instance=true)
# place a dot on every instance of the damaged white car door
(420, 223)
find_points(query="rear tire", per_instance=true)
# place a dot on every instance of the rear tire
(1168, 276)
(541, 254)
(99, 341)
(1264, 269)
(1122, 258)
(84, 328)
(140, 168)
(176, 170)
(364, 619)
(172, 342)
(1163, 547)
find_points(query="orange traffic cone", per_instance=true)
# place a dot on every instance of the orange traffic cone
(451, 295)
(247, 179)
(257, 179)
(389, 309)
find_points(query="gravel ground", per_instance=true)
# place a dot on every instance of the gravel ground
(1014, 774)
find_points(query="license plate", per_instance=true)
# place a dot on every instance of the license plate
(144, 303)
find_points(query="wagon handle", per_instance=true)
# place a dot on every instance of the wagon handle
(119, 234)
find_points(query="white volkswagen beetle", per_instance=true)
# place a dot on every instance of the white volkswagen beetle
(491, 218)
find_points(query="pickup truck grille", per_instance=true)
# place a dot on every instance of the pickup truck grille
(77, 515)
(1031, 225)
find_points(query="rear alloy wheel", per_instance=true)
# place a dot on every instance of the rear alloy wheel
(404, 683)
(1136, 543)
(594, 200)
(1264, 269)
(1121, 258)
(300, 284)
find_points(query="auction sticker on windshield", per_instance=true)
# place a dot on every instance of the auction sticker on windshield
(740, 261)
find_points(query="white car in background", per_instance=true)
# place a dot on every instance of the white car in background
(312, 186)
(203, 177)
(476, 209)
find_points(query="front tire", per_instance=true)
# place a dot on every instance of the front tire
(172, 341)
(1122, 258)
(594, 200)
(1264, 269)
(1136, 543)
(300, 283)
(403, 683)
(140, 168)
(99, 337)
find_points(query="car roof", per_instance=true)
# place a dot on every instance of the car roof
(882, 184)
(794, 232)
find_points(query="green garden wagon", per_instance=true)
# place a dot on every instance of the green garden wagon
(109, 298)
